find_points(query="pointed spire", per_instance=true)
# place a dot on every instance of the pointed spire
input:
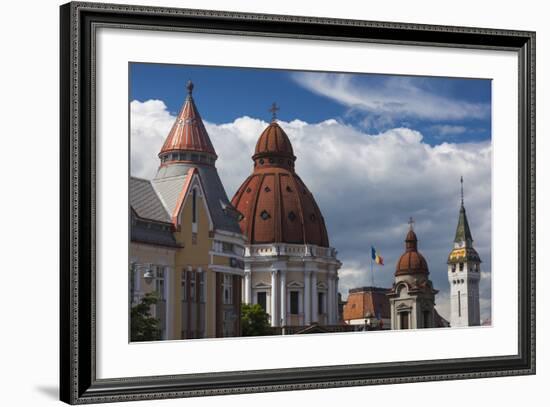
(463, 233)
(461, 191)
(188, 137)
(189, 87)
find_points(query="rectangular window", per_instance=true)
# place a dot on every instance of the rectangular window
(461, 266)
(453, 268)
(294, 302)
(227, 247)
(459, 310)
(261, 298)
(184, 285)
(192, 285)
(404, 320)
(159, 282)
(160, 307)
(321, 303)
(227, 289)
(133, 273)
(202, 287)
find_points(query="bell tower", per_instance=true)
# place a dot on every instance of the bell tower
(464, 273)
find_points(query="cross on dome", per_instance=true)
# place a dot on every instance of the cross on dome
(411, 223)
(274, 109)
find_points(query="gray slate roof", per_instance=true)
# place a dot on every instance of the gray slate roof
(168, 191)
(156, 199)
(214, 190)
(145, 201)
(145, 231)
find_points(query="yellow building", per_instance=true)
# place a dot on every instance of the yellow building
(186, 243)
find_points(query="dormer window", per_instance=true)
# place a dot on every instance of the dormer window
(265, 215)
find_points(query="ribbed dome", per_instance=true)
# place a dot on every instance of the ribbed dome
(188, 135)
(276, 204)
(411, 262)
(274, 141)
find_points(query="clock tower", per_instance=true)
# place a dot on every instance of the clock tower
(464, 273)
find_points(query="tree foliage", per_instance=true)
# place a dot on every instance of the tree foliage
(143, 326)
(254, 320)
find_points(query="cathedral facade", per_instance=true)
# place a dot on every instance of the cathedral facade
(185, 241)
(290, 268)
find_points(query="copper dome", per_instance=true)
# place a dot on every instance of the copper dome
(276, 205)
(274, 142)
(411, 262)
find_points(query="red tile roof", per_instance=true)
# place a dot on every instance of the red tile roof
(369, 300)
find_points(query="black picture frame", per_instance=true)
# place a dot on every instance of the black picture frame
(78, 382)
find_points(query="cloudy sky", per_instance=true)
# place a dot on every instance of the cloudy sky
(374, 150)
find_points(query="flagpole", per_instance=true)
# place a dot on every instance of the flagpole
(371, 268)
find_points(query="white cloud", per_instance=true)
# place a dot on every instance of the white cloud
(367, 186)
(150, 123)
(390, 97)
(448, 130)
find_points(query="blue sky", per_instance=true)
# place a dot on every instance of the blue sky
(234, 92)
(373, 149)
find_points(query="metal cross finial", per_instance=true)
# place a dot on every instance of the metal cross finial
(274, 108)
(190, 87)
(411, 223)
(461, 190)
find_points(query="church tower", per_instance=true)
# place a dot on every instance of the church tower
(412, 297)
(464, 273)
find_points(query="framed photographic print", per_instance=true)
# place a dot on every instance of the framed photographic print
(256, 203)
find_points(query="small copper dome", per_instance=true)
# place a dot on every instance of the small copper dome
(276, 205)
(274, 142)
(412, 261)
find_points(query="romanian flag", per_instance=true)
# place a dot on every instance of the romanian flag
(376, 257)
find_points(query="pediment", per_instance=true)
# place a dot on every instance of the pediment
(403, 306)
(322, 285)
